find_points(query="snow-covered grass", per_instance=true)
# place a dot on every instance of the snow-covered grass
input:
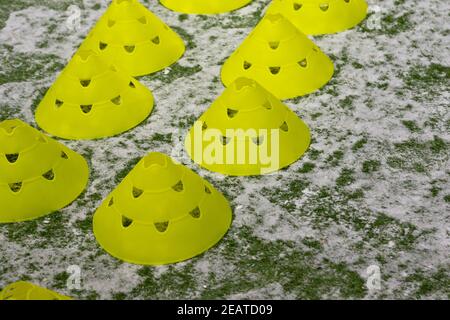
(373, 189)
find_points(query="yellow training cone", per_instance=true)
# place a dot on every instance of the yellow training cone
(247, 131)
(161, 213)
(134, 39)
(91, 99)
(27, 291)
(321, 16)
(38, 175)
(281, 58)
(204, 6)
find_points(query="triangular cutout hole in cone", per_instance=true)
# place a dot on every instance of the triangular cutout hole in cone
(117, 100)
(129, 49)
(247, 65)
(111, 202)
(143, 20)
(297, 6)
(86, 108)
(231, 113)
(274, 45)
(111, 23)
(274, 70)
(85, 82)
(13, 157)
(267, 105)
(284, 127)
(15, 187)
(102, 46)
(179, 187)
(126, 222)
(137, 192)
(195, 213)
(258, 140)
(225, 140)
(204, 126)
(207, 190)
(156, 40)
(132, 85)
(324, 6)
(49, 175)
(303, 63)
(162, 226)
(64, 155)
(59, 103)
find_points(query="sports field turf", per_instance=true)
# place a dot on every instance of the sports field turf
(373, 189)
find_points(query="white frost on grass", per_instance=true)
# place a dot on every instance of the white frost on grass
(376, 113)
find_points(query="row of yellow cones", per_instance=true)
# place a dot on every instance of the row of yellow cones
(95, 97)
(313, 17)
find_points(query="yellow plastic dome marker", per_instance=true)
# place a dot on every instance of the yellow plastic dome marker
(161, 213)
(132, 38)
(247, 131)
(91, 99)
(204, 6)
(23, 290)
(316, 17)
(38, 175)
(280, 58)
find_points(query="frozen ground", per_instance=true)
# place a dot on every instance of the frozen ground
(373, 190)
